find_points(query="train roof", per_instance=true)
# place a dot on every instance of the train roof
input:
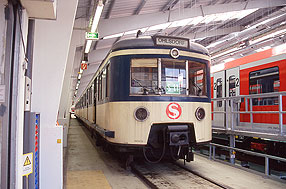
(148, 41)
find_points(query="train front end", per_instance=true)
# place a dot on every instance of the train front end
(166, 107)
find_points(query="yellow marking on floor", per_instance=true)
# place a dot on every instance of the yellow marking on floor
(87, 179)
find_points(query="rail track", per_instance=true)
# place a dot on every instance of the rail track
(172, 175)
(166, 174)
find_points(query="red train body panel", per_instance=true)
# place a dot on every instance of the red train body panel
(261, 72)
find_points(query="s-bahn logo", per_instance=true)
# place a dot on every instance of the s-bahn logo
(173, 110)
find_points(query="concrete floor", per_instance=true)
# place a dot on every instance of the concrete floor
(239, 178)
(87, 166)
(90, 167)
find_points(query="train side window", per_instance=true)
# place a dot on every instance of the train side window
(103, 84)
(144, 76)
(90, 95)
(107, 80)
(87, 97)
(96, 88)
(197, 79)
(219, 91)
(231, 84)
(264, 81)
(99, 87)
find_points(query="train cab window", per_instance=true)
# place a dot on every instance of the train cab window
(219, 91)
(264, 81)
(173, 76)
(144, 76)
(197, 79)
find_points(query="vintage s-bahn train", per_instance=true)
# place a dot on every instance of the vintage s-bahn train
(262, 72)
(151, 94)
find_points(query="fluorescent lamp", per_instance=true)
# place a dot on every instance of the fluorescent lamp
(96, 17)
(113, 36)
(228, 60)
(263, 48)
(87, 46)
(94, 25)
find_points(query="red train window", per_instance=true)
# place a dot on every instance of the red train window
(264, 81)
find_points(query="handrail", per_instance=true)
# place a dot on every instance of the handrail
(266, 156)
(234, 111)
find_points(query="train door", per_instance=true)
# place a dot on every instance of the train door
(232, 89)
(219, 92)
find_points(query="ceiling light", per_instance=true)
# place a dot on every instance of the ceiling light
(113, 36)
(94, 24)
(159, 26)
(228, 60)
(96, 17)
(87, 46)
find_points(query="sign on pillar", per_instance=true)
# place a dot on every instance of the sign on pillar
(27, 164)
(83, 66)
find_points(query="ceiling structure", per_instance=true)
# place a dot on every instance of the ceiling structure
(229, 29)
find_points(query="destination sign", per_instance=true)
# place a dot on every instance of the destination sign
(169, 41)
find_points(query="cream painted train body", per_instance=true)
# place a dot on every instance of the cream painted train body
(150, 94)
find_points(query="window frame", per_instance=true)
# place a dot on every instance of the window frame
(159, 76)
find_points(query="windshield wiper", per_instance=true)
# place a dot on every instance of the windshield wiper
(145, 89)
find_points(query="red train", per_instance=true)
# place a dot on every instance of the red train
(262, 72)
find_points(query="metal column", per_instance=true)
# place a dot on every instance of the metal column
(232, 152)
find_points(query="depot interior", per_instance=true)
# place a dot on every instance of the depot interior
(47, 60)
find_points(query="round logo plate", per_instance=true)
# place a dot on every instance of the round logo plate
(173, 110)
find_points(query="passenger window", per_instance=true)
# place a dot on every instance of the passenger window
(264, 81)
(87, 97)
(107, 80)
(103, 84)
(99, 87)
(90, 95)
(219, 91)
(231, 84)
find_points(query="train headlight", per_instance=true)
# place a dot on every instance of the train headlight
(141, 114)
(175, 53)
(200, 113)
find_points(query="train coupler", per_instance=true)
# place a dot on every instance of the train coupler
(178, 135)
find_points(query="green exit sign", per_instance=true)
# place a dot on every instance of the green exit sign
(91, 35)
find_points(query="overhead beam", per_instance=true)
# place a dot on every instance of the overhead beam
(169, 5)
(192, 3)
(118, 25)
(212, 33)
(88, 9)
(213, 2)
(140, 7)
(110, 9)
